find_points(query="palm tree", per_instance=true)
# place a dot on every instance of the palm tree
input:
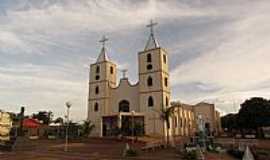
(87, 127)
(165, 114)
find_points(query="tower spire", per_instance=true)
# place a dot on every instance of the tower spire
(103, 55)
(152, 42)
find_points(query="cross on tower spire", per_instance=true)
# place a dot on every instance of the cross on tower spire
(152, 42)
(103, 56)
(103, 40)
(151, 26)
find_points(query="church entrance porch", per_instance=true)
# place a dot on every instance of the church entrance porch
(123, 123)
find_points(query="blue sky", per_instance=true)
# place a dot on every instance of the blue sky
(219, 50)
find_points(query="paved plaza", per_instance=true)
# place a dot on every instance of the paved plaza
(90, 149)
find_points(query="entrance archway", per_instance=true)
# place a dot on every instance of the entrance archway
(124, 106)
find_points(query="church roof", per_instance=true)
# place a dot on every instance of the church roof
(103, 55)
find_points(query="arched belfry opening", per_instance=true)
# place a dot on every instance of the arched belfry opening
(124, 106)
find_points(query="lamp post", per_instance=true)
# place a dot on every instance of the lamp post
(132, 114)
(68, 105)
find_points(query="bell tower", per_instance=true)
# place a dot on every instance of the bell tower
(154, 86)
(102, 78)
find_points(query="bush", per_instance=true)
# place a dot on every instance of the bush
(191, 155)
(262, 154)
(131, 153)
(236, 153)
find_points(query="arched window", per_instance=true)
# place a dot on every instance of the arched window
(96, 107)
(97, 77)
(150, 102)
(124, 106)
(97, 90)
(111, 69)
(149, 57)
(164, 58)
(97, 69)
(149, 81)
(167, 101)
(166, 81)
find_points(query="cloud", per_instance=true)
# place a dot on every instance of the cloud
(238, 61)
(41, 88)
(217, 49)
(95, 16)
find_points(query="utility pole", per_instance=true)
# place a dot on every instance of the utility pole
(132, 113)
(68, 105)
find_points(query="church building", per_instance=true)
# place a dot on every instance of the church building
(120, 107)
(112, 107)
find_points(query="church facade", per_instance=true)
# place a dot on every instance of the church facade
(120, 107)
(112, 106)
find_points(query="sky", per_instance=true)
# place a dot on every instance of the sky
(219, 51)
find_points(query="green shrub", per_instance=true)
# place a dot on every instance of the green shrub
(191, 155)
(261, 154)
(236, 153)
(131, 153)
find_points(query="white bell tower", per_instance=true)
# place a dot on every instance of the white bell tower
(102, 78)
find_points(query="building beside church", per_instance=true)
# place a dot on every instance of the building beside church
(186, 115)
(113, 106)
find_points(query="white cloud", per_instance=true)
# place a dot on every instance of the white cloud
(42, 88)
(239, 61)
(41, 34)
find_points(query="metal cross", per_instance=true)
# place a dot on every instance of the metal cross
(124, 71)
(151, 26)
(103, 40)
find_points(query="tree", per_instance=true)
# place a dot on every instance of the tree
(59, 120)
(44, 116)
(229, 121)
(165, 115)
(87, 127)
(254, 113)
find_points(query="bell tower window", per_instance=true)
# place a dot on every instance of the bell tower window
(166, 81)
(97, 77)
(96, 107)
(167, 101)
(149, 57)
(111, 70)
(97, 69)
(150, 102)
(164, 58)
(149, 81)
(97, 90)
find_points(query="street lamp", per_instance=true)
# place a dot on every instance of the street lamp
(132, 114)
(68, 105)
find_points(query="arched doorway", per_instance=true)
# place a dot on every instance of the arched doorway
(124, 106)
